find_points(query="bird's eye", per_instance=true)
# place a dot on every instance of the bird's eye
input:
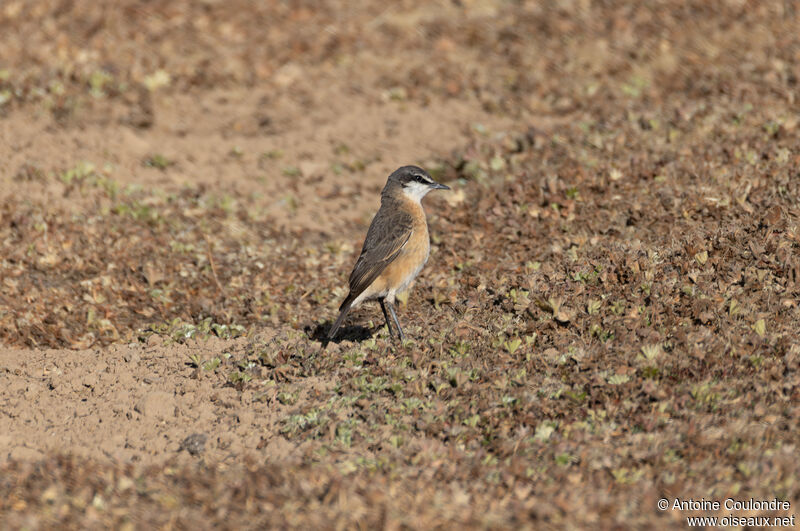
(420, 179)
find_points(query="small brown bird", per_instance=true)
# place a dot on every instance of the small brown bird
(396, 247)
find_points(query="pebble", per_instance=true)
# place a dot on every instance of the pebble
(158, 404)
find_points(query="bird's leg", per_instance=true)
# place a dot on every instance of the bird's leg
(386, 316)
(396, 322)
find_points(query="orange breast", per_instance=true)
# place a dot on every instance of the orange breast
(399, 274)
(407, 265)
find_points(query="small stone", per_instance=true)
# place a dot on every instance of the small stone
(310, 168)
(131, 356)
(195, 443)
(113, 444)
(125, 483)
(90, 380)
(245, 417)
(158, 404)
(21, 453)
(49, 495)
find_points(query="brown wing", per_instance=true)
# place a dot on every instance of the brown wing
(386, 237)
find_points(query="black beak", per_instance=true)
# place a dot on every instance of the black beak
(437, 186)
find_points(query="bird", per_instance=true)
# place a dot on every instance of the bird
(396, 248)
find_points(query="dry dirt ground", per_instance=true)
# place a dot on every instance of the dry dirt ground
(609, 315)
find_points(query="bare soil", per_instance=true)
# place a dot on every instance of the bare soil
(609, 315)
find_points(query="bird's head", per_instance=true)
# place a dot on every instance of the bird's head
(414, 182)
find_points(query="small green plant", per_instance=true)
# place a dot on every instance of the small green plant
(81, 172)
(513, 345)
(651, 352)
(587, 277)
(565, 459)
(460, 349)
(291, 171)
(600, 333)
(651, 373)
(472, 421)
(509, 401)
(158, 161)
(298, 423)
(701, 257)
(228, 331)
(287, 398)
(180, 331)
(519, 296)
(497, 164)
(344, 433)
(618, 379)
(236, 377)
(98, 81)
(411, 404)
(272, 154)
(626, 476)
(544, 430)
(576, 396)
(704, 393)
(212, 364)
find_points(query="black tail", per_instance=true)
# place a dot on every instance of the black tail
(344, 309)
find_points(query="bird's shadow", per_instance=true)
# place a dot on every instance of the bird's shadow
(356, 333)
